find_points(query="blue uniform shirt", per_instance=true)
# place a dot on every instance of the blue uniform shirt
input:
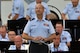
(18, 8)
(65, 37)
(61, 47)
(73, 12)
(31, 9)
(13, 47)
(36, 28)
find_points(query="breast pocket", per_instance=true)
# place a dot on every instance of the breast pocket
(77, 13)
(64, 39)
(70, 12)
(46, 28)
(33, 27)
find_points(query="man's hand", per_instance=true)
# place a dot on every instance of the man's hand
(64, 16)
(9, 15)
(28, 18)
(45, 39)
(78, 17)
(38, 38)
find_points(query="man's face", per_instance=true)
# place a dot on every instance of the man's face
(75, 2)
(3, 31)
(59, 28)
(18, 42)
(57, 40)
(11, 35)
(39, 9)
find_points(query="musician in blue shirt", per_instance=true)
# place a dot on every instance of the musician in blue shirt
(38, 30)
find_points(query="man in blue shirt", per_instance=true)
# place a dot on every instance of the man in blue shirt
(3, 33)
(64, 35)
(38, 31)
(17, 10)
(57, 46)
(11, 35)
(30, 14)
(18, 15)
(73, 11)
(18, 44)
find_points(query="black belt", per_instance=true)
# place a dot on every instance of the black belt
(40, 43)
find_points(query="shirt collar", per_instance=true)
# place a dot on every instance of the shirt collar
(52, 45)
(43, 19)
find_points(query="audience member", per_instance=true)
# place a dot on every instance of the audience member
(65, 35)
(18, 44)
(3, 33)
(38, 31)
(57, 46)
(11, 35)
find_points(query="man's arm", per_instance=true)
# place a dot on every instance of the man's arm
(79, 18)
(69, 39)
(27, 37)
(68, 44)
(9, 15)
(15, 17)
(48, 16)
(28, 12)
(51, 32)
(28, 17)
(64, 12)
(50, 38)
(65, 48)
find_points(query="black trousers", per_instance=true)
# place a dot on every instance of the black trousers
(38, 48)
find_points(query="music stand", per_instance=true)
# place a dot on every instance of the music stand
(17, 25)
(73, 24)
(16, 51)
(61, 52)
(4, 45)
